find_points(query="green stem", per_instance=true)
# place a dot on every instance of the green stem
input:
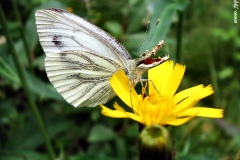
(20, 26)
(214, 79)
(25, 84)
(179, 36)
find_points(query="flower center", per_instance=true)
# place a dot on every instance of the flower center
(155, 108)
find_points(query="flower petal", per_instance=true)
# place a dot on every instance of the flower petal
(160, 76)
(206, 91)
(120, 114)
(117, 107)
(179, 121)
(174, 81)
(113, 113)
(186, 93)
(124, 90)
(202, 112)
(193, 99)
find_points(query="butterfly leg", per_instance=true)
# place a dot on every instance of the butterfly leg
(146, 80)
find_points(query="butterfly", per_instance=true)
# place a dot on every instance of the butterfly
(81, 58)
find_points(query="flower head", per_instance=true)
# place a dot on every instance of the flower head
(162, 105)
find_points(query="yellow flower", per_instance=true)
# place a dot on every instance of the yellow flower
(161, 105)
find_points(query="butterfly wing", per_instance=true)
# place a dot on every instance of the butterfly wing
(60, 30)
(81, 77)
(80, 57)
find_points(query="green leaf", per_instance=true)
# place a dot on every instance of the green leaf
(89, 156)
(36, 85)
(42, 89)
(8, 112)
(23, 155)
(30, 137)
(8, 71)
(101, 133)
(136, 15)
(226, 73)
(165, 11)
(114, 28)
(121, 148)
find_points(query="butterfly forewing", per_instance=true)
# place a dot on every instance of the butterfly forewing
(80, 57)
(60, 31)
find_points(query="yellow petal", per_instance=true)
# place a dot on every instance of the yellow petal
(117, 107)
(160, 76)
(136, 118)
(122, 87)
(113, 113)
(186, 103)
(206, 91)
(120, 114)
(186, 93)
(193, 99)
(179, 121)
(203, 112)
(174, 81)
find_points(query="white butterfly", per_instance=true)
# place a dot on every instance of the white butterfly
(80, 58)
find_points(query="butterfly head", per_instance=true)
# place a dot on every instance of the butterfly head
(146, 61)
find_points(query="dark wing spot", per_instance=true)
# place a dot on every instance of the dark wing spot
(56, 10)
(57, 40)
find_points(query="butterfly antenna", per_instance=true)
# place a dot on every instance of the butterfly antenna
(151, 32)
(145, 35)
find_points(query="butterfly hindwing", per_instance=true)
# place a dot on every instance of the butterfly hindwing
(82, 78)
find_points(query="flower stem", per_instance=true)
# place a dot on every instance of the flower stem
(25, 84)
(214, 79)
(20, 26)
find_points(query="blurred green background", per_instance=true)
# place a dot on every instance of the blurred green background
(199, 34)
